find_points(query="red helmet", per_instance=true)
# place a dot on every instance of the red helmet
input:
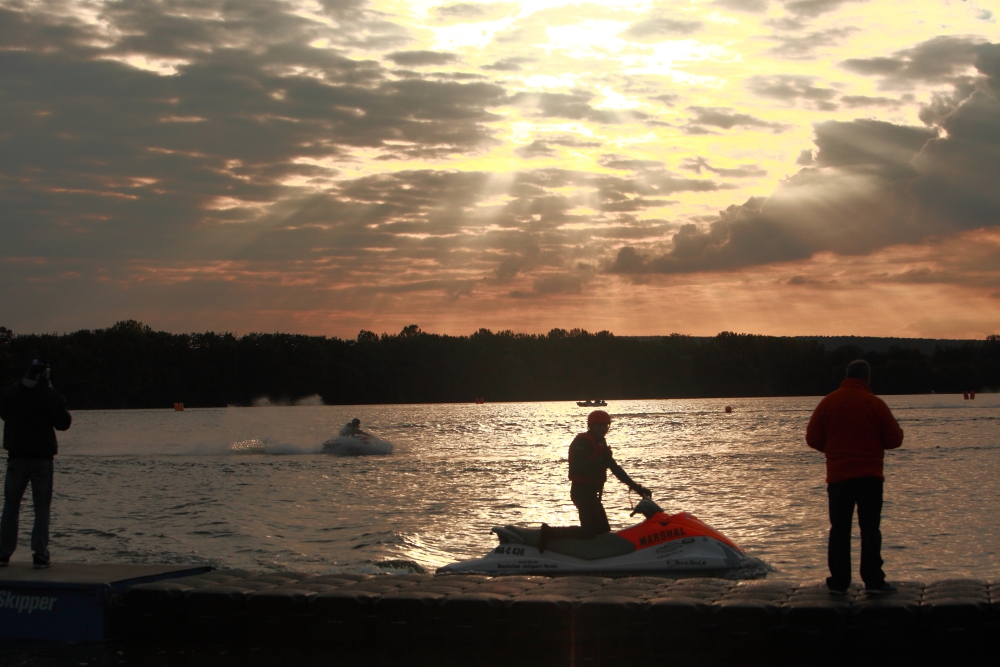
(598, 417)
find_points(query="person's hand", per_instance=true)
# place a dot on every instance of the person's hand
(643, 491)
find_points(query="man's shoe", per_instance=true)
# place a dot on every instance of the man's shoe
(4, 560)
(879, 590)
(40, 562)
(836, 590)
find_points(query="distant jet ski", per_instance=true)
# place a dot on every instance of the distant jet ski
(357, 445)
(672, 545)
(592, 404)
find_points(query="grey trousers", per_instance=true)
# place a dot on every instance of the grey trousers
(19, 473)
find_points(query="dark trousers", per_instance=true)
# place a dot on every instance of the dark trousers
(587, 498)
(866, 493)
(19, 473)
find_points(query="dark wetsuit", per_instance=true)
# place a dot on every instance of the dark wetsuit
(589, 461)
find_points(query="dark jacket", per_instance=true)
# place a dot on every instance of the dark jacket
(590, 459)
(853, 427)
(29, 419)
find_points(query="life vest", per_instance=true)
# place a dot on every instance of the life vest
(589, 465)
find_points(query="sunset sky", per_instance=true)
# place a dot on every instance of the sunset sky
(791, 167)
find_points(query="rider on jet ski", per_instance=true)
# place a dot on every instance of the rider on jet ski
(589, 461)
(352, 427)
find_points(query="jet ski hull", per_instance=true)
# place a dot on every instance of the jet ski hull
(669, 545)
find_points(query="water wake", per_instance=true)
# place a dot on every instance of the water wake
(344, 445)
(258, 446)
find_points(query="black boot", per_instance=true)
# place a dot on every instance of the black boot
(543, 538)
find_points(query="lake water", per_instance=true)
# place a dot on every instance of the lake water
(250, 487)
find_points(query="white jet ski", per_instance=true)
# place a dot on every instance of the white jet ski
(664, 544)
(357, 445)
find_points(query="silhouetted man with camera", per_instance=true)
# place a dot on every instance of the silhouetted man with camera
(31, 411)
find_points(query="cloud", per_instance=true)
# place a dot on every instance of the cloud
(668, 99)
(874, 185)
(421, 58)
(854, 101)
(751, 6)
(658, 29)
(727, 119)
(803, 46)
(814, 8)
(743, 171)
(553, 284)
(512, 64)
(805, 158)
(474, 13)
(217, 159)
(544, 147)
(793, 88)
(575, 106)
(940, 60)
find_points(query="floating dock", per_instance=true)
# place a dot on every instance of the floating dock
(71, 601)
(570, 618)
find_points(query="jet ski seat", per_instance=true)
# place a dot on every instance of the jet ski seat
(606, 545)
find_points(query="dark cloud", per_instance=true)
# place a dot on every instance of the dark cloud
(854, 101)
(743, 171)
(805, 158)
(940, 60)
(929, 276)
(508, 64)
(544, 147)
(421, 58)
(657, 29)
(114, 162)
(472, 13)
(629, 164)
(793, 88)
(727, 119)
(667, 98)
(871, 143)
(575, 105)
(752, 6)
(814, 8)
(874, 185)
(536, 148)
(803, 46)
(552, 285)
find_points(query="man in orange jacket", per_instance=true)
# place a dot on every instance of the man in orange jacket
(853, 428)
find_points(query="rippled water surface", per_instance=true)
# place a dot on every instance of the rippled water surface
(251, 488)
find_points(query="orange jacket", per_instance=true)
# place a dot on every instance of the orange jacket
(853, 427)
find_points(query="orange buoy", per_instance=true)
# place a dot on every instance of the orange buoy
(729, 409)
(179, 407)
(965, 395)
(972, 395)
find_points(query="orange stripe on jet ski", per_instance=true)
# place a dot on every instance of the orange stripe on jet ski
(662, 528)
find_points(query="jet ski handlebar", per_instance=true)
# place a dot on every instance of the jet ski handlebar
(646, 507)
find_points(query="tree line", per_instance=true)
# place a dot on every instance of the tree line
(129, 365)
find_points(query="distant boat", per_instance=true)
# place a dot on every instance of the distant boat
(592, 404)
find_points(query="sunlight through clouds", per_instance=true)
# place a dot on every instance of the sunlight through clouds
(643, 167)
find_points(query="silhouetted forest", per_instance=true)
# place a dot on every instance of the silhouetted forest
(131, 366)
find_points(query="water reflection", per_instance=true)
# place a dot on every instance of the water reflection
(249, 487)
